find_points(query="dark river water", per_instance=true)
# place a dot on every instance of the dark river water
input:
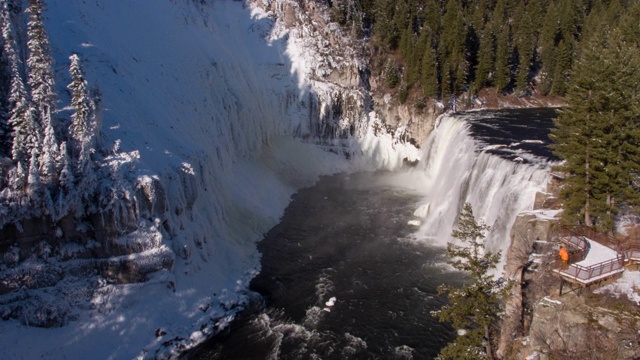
(341, 276)
(345, 238)
(514, 133)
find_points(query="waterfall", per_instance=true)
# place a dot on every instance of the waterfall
(457, 171)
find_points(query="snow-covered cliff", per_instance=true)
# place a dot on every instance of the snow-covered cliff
(214, 113)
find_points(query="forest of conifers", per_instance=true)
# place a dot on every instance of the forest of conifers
(445, 47)
(586, 52)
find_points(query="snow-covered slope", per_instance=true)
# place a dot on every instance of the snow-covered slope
(223, 111)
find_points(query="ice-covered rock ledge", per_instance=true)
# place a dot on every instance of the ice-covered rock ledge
(228, 107)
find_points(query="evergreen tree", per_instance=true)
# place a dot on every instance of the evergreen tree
(452, 45)
(503, 54)
(561, 70)
(549, 38)
(432, 19)
(392, 74)
(524, 37)
(475, 307)
(384, 29)
(597, 133)
(22, 117)
(5, 88)
(41, 82)
(401, 18)
(66, 175)
(34, 185)
(429, 76)
(79, 130)
(486, 59)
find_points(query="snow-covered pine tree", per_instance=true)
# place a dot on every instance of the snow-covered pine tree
(41, 78)
(79, 131)
(66, 181)
(5, 87)
(21, 115)
(82, 132)
(41, 82)
(34, 185)
(66, 175)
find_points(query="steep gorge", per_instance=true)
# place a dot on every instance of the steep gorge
(215, 113)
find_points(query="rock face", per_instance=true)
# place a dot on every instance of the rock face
(540, 325)
(528, 233)
(414, 124)
(569, 328)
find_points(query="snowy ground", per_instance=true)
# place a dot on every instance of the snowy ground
(597, 254)
(207, 94)
(627, 285)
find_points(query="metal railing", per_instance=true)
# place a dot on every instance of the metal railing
(592, 234)
(577, 241)
(632, 253)
(594, 272)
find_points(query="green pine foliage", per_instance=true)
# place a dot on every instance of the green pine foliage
(523, 46)
(429, 71)
(597, 134)
(474, 308)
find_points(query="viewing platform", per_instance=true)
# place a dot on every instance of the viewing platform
(594, 258)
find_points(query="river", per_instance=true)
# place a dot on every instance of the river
(345, 275)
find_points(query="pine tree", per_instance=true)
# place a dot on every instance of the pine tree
(401, 20)
(549, 38)
(5, 88)
(452, 48)
(503, 55)
(597, 133)
(384, 29)
(524, 38)
(66, 175)
(475, 307)
(22, 115)
(429, 76)
(392, 76)
(432, 19)
(34, 185)
(561, 68)
(486, 59)
(79, 129)
(41, 82)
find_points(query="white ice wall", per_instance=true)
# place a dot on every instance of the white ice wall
(210, 97)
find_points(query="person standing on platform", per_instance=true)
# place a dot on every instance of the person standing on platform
(564, 256)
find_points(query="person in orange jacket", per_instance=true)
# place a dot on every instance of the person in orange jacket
(564, 256)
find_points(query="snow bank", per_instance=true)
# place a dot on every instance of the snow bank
(214, 98)
(628, 284)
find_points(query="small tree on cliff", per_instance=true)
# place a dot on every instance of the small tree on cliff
(474, 308)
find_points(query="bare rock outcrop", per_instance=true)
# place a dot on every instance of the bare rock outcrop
(571, 328)
(528, 232)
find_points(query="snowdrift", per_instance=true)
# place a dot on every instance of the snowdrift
(213, 105)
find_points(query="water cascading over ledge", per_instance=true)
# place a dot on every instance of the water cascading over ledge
(457, 170)
(223, 109)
